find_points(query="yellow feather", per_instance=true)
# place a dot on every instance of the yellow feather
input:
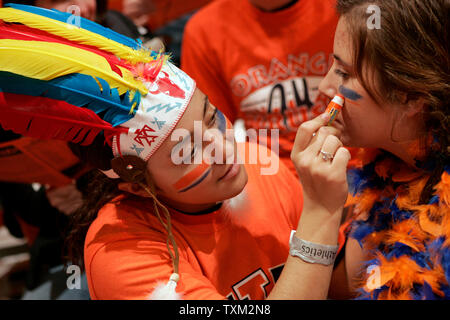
(47, 61)
(73, 33)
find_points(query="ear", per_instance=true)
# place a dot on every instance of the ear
(411, 105)
(415, 106)
(133, 188)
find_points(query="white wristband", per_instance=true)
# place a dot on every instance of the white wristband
(312, 252)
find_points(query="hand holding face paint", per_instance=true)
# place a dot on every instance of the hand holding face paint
(324, 181)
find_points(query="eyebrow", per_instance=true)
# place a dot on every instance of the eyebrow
(341, 61)
(183, 141)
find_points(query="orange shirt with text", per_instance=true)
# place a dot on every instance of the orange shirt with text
(262, 67)
(236, 252)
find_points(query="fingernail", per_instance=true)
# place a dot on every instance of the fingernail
(325, 116)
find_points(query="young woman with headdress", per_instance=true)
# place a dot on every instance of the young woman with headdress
(392, 64)
(205, 227)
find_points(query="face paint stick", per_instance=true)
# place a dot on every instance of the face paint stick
(335, 107)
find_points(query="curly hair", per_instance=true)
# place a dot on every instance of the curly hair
(408, 54)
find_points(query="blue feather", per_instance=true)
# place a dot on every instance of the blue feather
(77, 89)
(360, 230)
(84, 23)
(445, 262)
(434, 200)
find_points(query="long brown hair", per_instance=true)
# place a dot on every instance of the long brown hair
(97, 190)
(407, 54)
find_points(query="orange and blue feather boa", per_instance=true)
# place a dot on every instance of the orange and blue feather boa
(408, 242)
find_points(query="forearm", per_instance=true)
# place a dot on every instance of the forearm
(303, 280)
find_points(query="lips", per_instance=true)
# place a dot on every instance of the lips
(232, 170)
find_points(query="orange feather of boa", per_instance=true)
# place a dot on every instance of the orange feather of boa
(397, 275)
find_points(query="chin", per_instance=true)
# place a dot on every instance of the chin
(236, 186)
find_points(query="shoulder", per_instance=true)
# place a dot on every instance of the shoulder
(121, 220)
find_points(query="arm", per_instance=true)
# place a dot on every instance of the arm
(325, 191)
(131, 269)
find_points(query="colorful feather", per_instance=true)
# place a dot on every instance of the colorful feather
(77, 89)
(84, 23)
(407, 241)
(73, 33)
(47, 61)
(46, 118)
(21, 32)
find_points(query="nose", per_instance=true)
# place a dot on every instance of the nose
(219, 146)
(328, 86)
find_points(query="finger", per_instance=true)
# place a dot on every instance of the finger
(341, 159)
(305, 132)
(319, 140)
(331, 145)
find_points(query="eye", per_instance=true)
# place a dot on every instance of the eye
(194, 151)
(342, 74)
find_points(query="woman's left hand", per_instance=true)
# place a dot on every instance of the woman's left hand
(321, 162)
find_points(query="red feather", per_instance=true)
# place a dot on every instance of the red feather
(46, 118)
(22, 32)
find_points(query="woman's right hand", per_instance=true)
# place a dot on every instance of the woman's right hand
(324, 181)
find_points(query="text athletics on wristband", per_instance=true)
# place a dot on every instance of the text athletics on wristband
(312, 252)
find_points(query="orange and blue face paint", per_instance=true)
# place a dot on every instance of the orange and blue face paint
(201, 171)
(193, 178)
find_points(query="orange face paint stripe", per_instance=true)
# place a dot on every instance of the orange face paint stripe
(229, 124)
(191, 177)
(352, 102)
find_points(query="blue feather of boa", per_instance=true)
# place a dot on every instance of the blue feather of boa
(382, 216)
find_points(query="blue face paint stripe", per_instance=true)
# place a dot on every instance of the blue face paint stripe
(222, 122)
(349, 94)
(196, 183)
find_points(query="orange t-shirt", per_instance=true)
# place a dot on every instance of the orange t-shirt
(262, 67)
(236, 252)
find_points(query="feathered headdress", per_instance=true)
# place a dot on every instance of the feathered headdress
(73, 82)
(68, 82)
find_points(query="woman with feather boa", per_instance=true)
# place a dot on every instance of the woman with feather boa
(392, 65)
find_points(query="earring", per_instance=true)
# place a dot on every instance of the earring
(130, 168)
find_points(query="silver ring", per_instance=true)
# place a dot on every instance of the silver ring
(326, 155)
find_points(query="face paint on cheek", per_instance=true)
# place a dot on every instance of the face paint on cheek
(192, 178)
(223, 122)
(349, 94)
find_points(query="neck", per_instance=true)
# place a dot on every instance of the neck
(194, 209)
(404, 151)
(272, 5)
